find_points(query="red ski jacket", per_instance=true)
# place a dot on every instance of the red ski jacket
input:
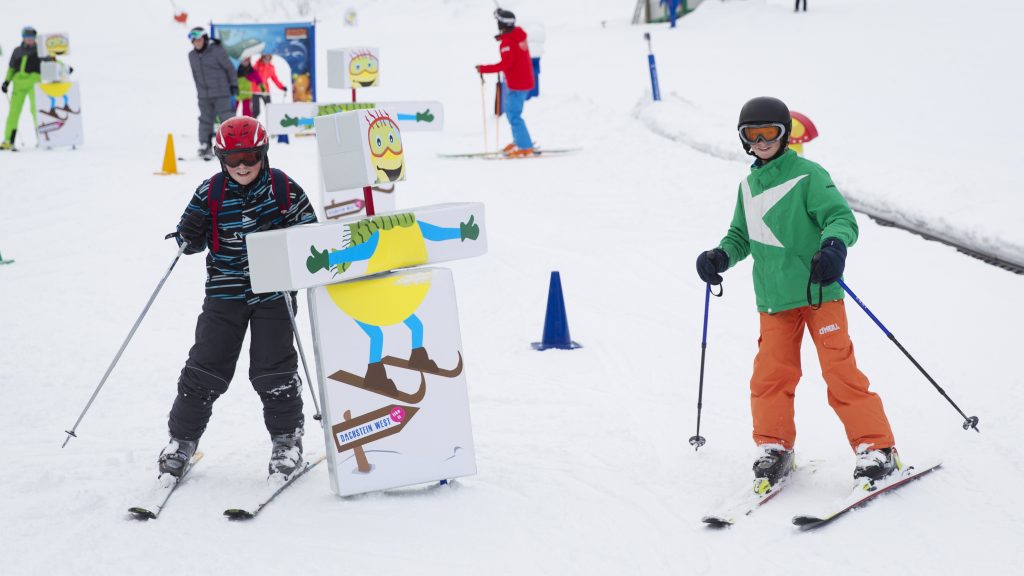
(515, 61)
(267, 73)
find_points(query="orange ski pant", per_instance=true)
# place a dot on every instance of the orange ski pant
(777, 371)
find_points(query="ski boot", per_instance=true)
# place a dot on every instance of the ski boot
(6, 146)
(520, 153)
(174, 458)
(875, 464)
(286, 455)
(376, 380)
(772, 466)
(508, 148)
(418, 360)
(206, 152)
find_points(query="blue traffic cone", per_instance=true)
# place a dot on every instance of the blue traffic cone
(556, 326)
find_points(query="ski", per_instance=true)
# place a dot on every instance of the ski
(358, 381)
(862, 493)
(161, 492)
(750, 499)
(403, 363)
(274, 488)
(539, 153)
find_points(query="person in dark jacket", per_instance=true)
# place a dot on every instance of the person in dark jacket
(23, 71)
(517, 66)
(231, 308)
(216, 84)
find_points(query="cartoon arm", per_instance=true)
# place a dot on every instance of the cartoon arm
(469, 229)
(326, 259)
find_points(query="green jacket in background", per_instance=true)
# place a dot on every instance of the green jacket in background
(784, 210)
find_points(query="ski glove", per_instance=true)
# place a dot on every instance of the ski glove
(828, 264)
(192, 231)
(3, 87)
(711, 264)
(234, 90)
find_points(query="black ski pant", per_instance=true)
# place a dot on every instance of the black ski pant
(211, 364)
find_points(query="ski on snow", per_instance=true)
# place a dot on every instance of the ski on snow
(274, 488)
(744, 503)
(157, 498)
(862, 493)
(539, 153)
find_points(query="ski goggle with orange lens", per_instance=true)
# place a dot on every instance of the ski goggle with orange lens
(769, 133)
(250, 157)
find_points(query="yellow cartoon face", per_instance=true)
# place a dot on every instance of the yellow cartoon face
(386, 149)
(798, 131)
(57, 45)
(363, 69)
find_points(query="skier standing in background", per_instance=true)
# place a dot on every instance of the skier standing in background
(23, 72)
(248, 204)
(248, 82)
(265, 69)
(517, 66)
(216, 84)
(796, 225)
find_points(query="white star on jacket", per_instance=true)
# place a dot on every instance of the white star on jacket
(755, 207)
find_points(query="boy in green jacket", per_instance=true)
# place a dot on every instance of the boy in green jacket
(796, 225)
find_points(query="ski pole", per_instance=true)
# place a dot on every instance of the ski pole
(302, 355)
(483, 110)
(969, 421)
(70, 433)
(697, 440)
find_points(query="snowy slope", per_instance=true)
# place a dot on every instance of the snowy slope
(583, 462)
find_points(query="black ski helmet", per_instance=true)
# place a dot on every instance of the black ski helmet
(764, 110)
(506, 20)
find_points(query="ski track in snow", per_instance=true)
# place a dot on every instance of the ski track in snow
(584, 466)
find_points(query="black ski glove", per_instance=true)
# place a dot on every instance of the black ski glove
(234, 90)
(3, 87)
(711, 264)
(828, 264)
(192, 231)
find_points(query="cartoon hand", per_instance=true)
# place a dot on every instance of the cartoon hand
(318, 261)
(469, 230)
(424, 116)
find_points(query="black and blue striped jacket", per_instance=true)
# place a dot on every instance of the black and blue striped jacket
(244, 210)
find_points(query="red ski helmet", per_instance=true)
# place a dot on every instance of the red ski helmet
(241, 139)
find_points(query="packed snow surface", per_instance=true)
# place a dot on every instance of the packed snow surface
(584, 466)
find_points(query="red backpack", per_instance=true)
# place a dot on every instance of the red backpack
(280, 187)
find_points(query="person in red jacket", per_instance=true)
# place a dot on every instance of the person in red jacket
(265, 70)
(517, 66)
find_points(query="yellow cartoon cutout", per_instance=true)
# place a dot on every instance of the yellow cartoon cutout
(56, 116)
(386, 243)
(363, 69)
(56, 44)
(385, 148)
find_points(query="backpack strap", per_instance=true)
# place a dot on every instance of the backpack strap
(214, 198)
(281, 186)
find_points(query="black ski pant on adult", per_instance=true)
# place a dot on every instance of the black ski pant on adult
(211, 364)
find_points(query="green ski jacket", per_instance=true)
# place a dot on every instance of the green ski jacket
(784, 210)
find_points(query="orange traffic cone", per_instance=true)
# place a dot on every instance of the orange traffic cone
(170, 160)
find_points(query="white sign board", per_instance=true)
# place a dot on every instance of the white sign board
(327, 252)
(390, 372)
(58, 114)
(357, 67)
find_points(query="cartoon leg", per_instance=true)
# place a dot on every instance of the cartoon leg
(376, 376)
(418, 359)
